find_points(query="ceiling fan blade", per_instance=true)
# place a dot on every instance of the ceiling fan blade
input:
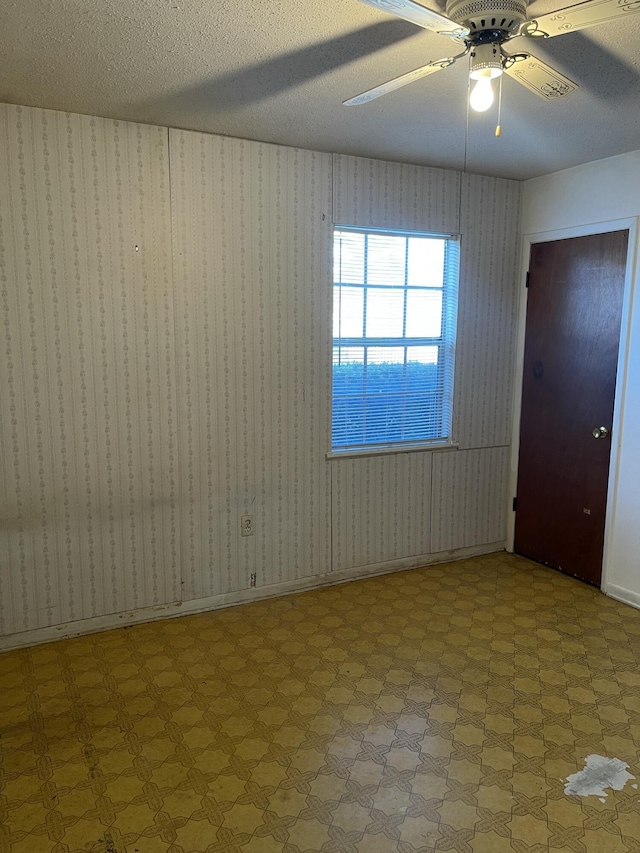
(398, 82)
(540, 78)
(578, 17)
(417, 14)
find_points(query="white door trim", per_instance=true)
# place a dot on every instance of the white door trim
(625, 331)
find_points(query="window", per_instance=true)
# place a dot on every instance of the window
(394, 322)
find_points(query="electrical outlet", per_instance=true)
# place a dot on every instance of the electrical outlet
(246, 525)
(253, 579)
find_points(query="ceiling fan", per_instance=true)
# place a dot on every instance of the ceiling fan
(482, 28)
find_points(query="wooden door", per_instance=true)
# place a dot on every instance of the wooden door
(574, 310)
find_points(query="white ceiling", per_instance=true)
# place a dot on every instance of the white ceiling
(278, 70)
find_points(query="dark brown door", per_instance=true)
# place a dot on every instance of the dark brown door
(571, 351)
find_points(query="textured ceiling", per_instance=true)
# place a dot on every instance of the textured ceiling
(278, 70)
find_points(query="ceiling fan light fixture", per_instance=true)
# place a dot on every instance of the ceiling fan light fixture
(482, 27)
(486, 61)
(480, 15)
(486, 65)
(481, 96)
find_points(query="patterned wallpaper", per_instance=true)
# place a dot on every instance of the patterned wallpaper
(381, 508)
(252, 230)
(87, 375)
(486, 311)
(376, 194)
(467, 499)
(166, 306)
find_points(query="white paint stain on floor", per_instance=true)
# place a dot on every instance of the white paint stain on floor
(599, 773)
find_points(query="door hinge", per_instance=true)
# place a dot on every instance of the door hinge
(515, 504)
(526, 283)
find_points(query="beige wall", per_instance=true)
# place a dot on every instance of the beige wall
(166, 369)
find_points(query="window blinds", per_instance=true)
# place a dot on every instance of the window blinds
(394, 327)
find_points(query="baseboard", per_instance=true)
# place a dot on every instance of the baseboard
(627, 596)
(215, 602)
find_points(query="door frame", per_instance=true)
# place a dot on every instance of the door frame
(630, 224)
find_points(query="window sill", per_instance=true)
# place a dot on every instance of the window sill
(383, 449)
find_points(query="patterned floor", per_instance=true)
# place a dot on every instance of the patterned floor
(437, 709)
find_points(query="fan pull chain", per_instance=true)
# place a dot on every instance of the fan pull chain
(498, 126)
(466, 129)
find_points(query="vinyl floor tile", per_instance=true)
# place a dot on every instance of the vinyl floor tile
(431, 710)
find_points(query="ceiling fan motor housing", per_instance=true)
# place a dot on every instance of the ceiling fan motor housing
(496, 15)
(486, 61)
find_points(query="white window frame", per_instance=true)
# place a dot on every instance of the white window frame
(445, 343)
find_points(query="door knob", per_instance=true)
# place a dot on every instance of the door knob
(600, 432)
